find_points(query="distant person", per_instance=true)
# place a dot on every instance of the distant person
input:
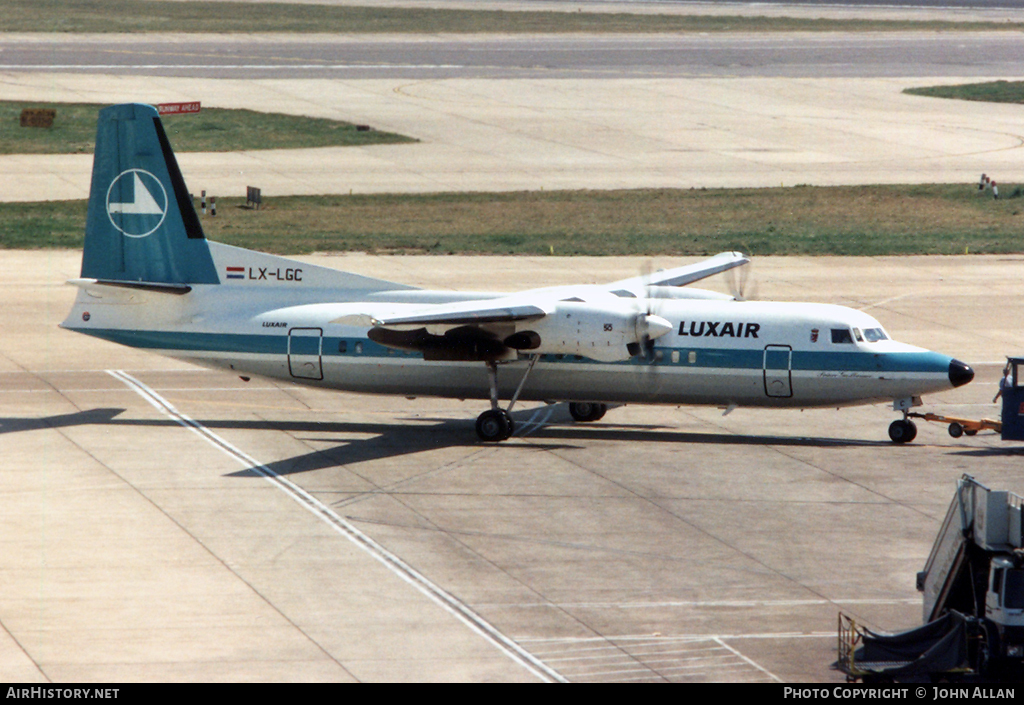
(1004, 383)
(995, 190)
(982, 182)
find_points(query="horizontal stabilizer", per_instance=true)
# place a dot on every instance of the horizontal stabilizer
(159, 287)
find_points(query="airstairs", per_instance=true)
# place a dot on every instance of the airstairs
(978, 523)
(973, 606)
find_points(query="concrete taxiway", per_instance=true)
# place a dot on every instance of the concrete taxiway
(528, 113)
(164, 522)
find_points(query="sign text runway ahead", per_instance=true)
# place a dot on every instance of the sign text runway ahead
(177, 108)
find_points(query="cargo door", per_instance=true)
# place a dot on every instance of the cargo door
(778, 371)
(304, 349)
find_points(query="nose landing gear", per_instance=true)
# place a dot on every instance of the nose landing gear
(902, 431)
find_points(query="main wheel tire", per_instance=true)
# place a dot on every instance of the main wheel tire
(901, 431)
(493, 426)
(587, 411)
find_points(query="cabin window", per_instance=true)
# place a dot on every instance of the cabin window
(359, 348)
(873, 335)
(1013, 594)
(842, 335)
(675, 356)
(343, 346)
(692, 357)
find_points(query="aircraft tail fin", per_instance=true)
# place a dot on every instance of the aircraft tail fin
(141, 225)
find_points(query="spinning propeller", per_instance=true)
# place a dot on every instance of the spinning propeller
(741, 283)
(649, 325)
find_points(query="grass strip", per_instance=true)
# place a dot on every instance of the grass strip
(204, 17)
(801, 220)
(211, 130)
(990, 92)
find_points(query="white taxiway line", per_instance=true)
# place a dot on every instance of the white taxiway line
(750, 661)
(392, 562)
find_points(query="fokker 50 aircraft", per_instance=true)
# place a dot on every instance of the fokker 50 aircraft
(150, 279)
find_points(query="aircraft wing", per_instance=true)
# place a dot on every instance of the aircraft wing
(533, 304)
(464, 313)
(680, 276)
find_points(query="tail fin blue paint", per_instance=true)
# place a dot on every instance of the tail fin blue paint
(141, 225)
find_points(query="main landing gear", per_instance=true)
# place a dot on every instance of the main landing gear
(587, 411)
(496, 424)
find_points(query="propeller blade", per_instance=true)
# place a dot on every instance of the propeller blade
(741, 285)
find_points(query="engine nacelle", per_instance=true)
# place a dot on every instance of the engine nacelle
(597, 331)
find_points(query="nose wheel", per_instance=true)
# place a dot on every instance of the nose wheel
(902, 431)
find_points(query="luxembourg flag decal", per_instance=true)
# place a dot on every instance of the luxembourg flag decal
(236, 272)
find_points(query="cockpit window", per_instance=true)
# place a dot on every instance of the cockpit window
(873, 335)
(842, 335)
(1013, 592)
(857, 335)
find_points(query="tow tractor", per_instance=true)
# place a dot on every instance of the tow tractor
(973, 586)
(958, 427)
(1011, 424)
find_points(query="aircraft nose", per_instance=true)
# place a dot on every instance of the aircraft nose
(959, 373)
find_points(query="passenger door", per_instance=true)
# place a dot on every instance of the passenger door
(304, 353)
(778, 371)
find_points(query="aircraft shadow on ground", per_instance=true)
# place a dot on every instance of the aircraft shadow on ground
(418, 435)
(996, 452)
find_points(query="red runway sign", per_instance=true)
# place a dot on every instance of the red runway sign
(177, 108)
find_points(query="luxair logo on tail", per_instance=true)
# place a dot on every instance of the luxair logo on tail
(136, 203)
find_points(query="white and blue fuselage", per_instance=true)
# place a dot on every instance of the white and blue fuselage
(718, 352)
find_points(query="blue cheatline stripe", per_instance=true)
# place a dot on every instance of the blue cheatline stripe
(277, 344)
(202, 342)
